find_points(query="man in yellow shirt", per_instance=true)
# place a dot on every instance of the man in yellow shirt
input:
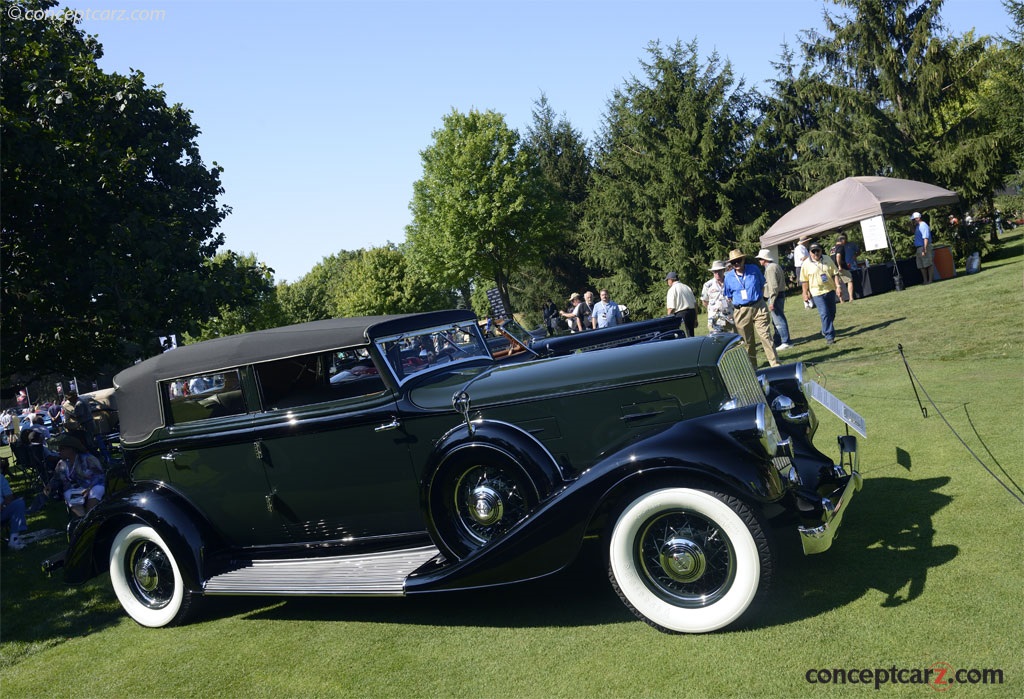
(817, 277)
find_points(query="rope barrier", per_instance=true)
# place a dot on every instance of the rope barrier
(915, 382)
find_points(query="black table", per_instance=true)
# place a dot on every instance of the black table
(879, 279)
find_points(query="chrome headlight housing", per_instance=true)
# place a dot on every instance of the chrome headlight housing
(768, 430)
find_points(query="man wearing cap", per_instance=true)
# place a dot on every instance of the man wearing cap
(717, 304)
(681, 302)
(800, 255)
(574, 314)
(817, 278)
(775, 293)
(923, 245)
(744, 285)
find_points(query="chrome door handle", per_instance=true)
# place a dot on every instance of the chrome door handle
(394, 424)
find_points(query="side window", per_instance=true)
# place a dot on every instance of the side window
(203, 396)
(318, 378)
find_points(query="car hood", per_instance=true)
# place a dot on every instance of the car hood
(582, 372)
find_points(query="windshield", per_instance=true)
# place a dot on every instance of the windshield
(411, 353)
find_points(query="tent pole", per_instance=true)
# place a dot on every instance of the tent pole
(897, 278)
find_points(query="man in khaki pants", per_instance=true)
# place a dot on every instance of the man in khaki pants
(744, 285)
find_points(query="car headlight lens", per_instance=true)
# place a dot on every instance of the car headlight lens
(768, 430)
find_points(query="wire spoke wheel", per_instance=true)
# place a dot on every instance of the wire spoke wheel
(688, 561)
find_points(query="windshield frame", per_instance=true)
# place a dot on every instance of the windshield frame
(415, 353)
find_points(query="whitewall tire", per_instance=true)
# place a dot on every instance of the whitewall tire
(146, 578)
(688, 561)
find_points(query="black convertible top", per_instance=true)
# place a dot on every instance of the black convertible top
(137, 390)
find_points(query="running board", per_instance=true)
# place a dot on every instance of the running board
(377, 574)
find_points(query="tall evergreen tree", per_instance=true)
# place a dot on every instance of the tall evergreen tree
(564, 161)
(672, 186)
(888, 94)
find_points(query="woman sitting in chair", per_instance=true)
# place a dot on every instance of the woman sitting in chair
(79, 475)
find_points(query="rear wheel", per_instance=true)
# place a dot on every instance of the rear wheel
(688, 561)
(146, 578)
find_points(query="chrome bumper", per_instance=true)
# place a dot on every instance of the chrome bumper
(818, 539)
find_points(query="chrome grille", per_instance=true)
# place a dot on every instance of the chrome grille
(739, 377)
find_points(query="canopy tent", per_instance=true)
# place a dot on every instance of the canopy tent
(852, 200)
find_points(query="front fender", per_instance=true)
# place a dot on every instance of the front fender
(718, 450)
(153, 505)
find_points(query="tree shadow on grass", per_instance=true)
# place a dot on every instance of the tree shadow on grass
(886, 545)
(577, 596)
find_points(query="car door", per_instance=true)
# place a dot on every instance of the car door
(335, 457)
(209, 456)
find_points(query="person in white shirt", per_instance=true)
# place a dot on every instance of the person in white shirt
(681, 302)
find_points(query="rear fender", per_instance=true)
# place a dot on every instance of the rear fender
(153, 505)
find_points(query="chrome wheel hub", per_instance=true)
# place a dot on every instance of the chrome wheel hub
(146, 574)
(485, 505)
(682, 560)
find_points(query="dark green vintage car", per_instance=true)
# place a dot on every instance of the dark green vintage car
(396, 456)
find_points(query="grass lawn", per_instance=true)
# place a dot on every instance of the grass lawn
(928, 570)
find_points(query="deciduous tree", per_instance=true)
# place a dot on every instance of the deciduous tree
(109, 215)
(482, 210)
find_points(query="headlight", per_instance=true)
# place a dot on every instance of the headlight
(768, 430)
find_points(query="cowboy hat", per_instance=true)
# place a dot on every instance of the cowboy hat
(736, 255)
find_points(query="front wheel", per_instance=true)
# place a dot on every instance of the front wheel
(688, 561)
(146, 578)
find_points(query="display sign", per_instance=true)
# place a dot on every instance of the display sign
(874, 233)
(838, 408)
(497, 305)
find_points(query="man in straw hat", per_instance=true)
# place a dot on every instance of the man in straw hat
(744, 285)
(574, 316)
(924, 255)
(775, 295)
(718, 305)
(79, 475)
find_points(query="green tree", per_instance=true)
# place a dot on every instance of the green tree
(672, 185)
(109, 215)
(314, 296)
(891, 93)
(255, 306)
(482, 210)
(380, 282)
(565, 163)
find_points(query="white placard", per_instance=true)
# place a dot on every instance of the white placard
(874, 233)
(838, 408)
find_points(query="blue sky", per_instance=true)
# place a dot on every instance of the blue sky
(318, 110)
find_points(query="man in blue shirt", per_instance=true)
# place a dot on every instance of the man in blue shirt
(923, 244)
(744, 285)
(606, 312)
